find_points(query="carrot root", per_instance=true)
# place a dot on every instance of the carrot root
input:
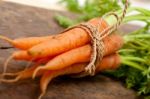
(6, 39)
(24, 74)
(10, 74)
(6, 64)
(10, 80)
(41, 95)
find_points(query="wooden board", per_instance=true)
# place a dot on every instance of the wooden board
(23, 21)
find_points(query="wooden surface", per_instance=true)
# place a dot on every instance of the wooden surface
(23, 21)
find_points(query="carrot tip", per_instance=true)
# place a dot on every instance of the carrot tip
(6, 39)
(41, 95)
(6, 64)
(9, 74)
(36, 71)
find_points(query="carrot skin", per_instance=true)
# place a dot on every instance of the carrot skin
(78, 55)
(21, 55)
(109, 62)
(113, 43)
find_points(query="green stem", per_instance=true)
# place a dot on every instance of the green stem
(132, 64)
(138, 39)
(137, 59)
(142, 10)
(141, 44)
(138, 36)
(136, 47)
(138, 17)
(143, 16)
(126, 50)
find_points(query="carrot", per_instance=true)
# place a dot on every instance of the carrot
(81, 54)
(108, 62)
(69, 40)
(26, 43)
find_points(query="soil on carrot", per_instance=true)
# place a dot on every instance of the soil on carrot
(23, 21)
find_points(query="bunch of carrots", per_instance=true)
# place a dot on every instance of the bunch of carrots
(61, 54)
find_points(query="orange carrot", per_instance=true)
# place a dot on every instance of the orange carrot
(81, 54)
(69, 40)
(26, 43)
(108, 62)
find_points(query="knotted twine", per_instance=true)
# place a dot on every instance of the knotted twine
(97, 39)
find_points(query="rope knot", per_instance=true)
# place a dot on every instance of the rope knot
(97, 48)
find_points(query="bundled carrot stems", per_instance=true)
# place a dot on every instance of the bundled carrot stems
(71, 51)
(135, 56)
